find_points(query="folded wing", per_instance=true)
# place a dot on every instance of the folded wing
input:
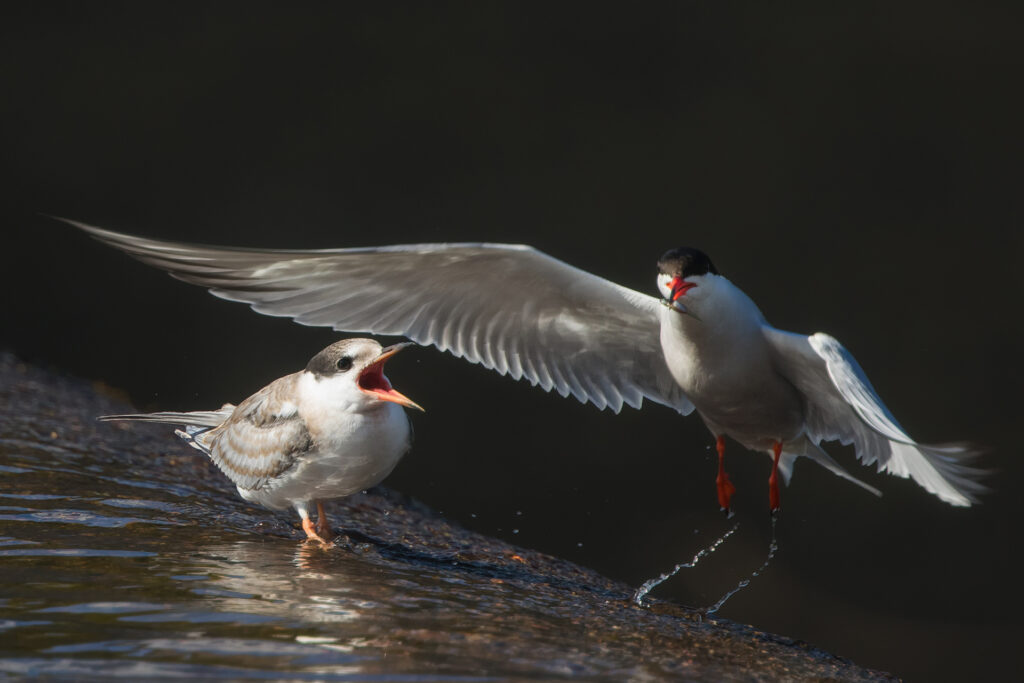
(262, 439)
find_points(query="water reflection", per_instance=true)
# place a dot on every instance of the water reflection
(185, 585)
(124, 558)
(388, 616)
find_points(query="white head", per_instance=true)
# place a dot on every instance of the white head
(358, 366)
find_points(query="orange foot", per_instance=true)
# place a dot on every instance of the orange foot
(316, 533)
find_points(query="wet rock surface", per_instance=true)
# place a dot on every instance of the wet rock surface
(123, 552)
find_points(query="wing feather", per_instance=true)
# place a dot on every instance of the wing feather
(507, 307)
(841, 405)
(262, 438)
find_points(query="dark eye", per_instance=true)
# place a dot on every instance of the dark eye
(345, 363)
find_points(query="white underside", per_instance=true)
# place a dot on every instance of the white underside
(357, 443)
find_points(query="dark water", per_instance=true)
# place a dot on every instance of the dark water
(124, 555)
(108, 572)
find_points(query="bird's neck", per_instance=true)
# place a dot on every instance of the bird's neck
(723, 337)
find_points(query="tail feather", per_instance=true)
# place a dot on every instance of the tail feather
(197, 438)
(199, 418)
(197, 424)
(805, 447)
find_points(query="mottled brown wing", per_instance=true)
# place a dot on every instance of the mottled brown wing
(262, 438)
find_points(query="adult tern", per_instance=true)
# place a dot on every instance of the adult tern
(704, 345)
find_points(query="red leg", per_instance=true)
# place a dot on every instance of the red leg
(773, 479)
(725, 487)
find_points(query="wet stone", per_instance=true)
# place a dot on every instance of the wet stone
(125, 553)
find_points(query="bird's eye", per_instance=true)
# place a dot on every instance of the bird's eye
(345, 363)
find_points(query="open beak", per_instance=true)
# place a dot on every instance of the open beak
(372, 380)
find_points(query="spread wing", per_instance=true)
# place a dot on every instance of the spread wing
(841, 405)
(261, 439)
(509, 308)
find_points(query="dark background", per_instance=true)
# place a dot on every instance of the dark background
(856, 169)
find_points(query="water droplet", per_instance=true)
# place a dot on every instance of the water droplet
(773, 546)
(648, 586)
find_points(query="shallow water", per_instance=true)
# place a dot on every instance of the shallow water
(123, 554)
(108, 573)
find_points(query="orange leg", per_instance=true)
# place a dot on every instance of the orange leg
(323, 526)
(773, 479)
(321, 531)
(311, 534)
(725, 487)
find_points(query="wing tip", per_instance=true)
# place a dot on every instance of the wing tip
(100, 234)
(945, 470)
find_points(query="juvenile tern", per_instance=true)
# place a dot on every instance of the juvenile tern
(704, 345)
(330, 430)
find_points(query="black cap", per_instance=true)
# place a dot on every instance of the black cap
(685, 261)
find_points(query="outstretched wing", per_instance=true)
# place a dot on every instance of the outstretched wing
(841, 405)
(262, 438)
(510, 308)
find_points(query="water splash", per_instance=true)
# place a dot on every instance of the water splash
(772, 548)
(648, 586)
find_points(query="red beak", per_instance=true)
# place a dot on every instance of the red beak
(679, 287)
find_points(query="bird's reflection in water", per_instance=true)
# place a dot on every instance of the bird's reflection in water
(410, 615)
(294, 580)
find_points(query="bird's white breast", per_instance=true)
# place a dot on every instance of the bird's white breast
(720, 358)
(356, 441)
